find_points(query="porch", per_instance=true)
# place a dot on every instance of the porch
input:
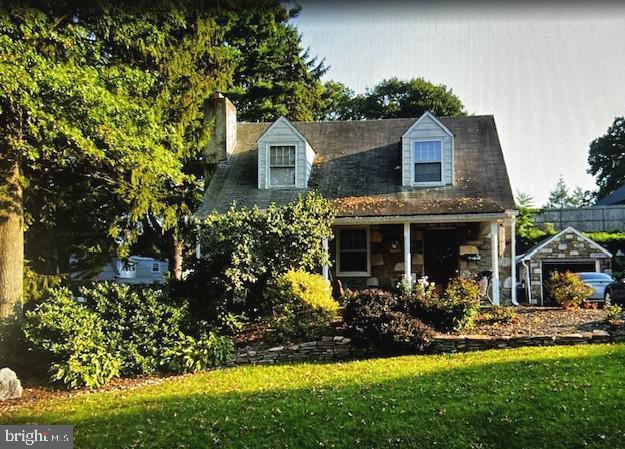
(376, 253)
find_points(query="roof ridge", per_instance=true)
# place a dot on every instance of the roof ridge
(370, 119)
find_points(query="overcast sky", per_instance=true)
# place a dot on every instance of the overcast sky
(553, 76)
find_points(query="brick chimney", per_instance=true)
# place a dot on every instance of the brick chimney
(223, 116)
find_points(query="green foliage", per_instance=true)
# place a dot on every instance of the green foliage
(35, 285)
(245, 248)
(499, 315)
(138, 323)
(111, 330)
(568, 289)
(74, 339)
(456, 310)
(380, 316)
(391, 98)
(613, 312)
(606, 158)
(189, 354)
(273, 74)
(304, 305)
(560, 197)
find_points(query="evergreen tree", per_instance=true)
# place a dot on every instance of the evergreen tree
(607, 158)
(274, 75)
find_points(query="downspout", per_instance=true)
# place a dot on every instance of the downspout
(513, 292)
(527, 282)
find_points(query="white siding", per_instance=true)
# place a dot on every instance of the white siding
(427, 128)
(281, 132)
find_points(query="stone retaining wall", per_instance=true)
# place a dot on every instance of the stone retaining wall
(342, 348)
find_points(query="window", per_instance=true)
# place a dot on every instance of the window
(156, 267)
(426, 156)
(282, 165)
(353, 252)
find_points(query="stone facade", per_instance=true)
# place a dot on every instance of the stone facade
(567, 246)
(387, 255)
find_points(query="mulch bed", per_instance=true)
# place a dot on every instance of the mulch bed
(42, 393)
(546, 321)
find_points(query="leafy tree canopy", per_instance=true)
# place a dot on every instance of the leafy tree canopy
(391, 98)
(607, 158)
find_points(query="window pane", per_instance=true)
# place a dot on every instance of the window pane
(427, 151)
(282, 156)
(428, 172)
(282, 176)
(354, 239)
(353, 262)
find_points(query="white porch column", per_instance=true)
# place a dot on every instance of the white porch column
(494, 257)
(407, 258)
(325, 270)
(513, 260)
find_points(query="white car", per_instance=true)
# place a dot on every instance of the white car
(598, 282)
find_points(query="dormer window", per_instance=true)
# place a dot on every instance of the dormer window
(427, 160)
(285, 158)
(282, 165)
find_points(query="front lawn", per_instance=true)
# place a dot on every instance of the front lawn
(555, 397)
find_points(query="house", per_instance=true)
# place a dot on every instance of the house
(136, 270)
(425, 196)
(615, 198)
(568, 250)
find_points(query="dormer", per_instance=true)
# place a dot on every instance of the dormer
(427, 153)
(285, 157)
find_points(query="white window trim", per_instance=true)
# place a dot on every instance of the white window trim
(156, 265)
(413, 140)
(268, 163)
(338, 253)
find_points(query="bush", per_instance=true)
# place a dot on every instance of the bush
(247, 248)
(499, 314)
(568, 289)
(114, 330)
(189, 355)
(455, 311)
(380, 316)
(305, 308)
(138, 323)
(613, 312)
(73, 337)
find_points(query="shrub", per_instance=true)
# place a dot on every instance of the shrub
(116, 329)
(138, 323)
(455, 311)
(380, 316)
(499, 315)
(73, 337)
(568, 289)
(305, 308)
(189, 355)
(613, 312)
(247, 248)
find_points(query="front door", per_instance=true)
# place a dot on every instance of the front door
(440, 255)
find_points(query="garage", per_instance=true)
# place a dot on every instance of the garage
(568, 250)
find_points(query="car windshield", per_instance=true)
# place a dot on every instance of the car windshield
(595, 276)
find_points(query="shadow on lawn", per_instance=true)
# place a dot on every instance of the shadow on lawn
(550, 402)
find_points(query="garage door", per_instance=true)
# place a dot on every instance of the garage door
(574, 267)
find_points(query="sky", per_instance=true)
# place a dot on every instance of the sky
(552, 75)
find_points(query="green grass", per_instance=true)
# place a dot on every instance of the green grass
(556, 397)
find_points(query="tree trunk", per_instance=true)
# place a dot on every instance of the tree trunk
(175, 258)
(11, 239)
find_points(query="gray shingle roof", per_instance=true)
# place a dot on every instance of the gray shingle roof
(358, 165)
(614, 198)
